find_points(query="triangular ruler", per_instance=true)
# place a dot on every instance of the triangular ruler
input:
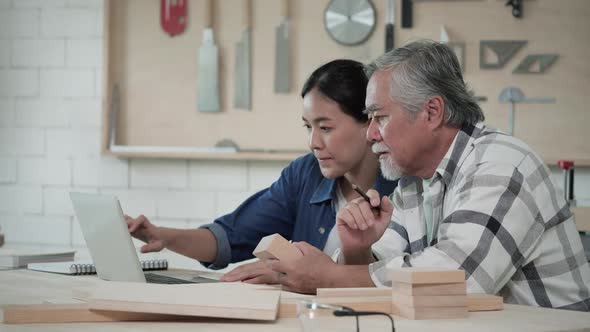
(503, 50)
(535, 63)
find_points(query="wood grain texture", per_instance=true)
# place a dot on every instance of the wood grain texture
(72, 313)
(276, 247)
(429, 312)
(421, 301)
(353, 291)
(430, 289)
(224, 300)
(415, 275)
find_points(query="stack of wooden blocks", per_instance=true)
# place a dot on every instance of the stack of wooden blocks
(429, 294)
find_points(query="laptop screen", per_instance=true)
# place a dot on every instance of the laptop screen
(104, 228)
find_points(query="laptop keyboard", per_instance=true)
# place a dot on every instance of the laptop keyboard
(153, 278)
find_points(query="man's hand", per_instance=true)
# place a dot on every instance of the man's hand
(141, 228)
(257, 272)
(360, 225)
(305, 274)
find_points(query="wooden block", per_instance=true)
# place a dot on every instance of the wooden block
(430, 300)
(484, 302)
(415, 275)
(275, 246)
(429, 312)
(220, 300)
(73, 313)
(459, 288)
(288, 307)
(349, 292)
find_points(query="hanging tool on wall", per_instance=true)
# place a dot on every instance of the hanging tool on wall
(114, 116)
(349, 22)
(408, 10)
(406, 14)
(515, 95)
(389, 27)
(173, 16)
(283, 52)
(208, 75)
(568, 181)
(243, 73)
(516, 7)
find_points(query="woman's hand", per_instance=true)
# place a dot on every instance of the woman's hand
(141, 228)
(256, 272)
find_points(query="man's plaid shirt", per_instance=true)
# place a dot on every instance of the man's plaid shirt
(497, 215)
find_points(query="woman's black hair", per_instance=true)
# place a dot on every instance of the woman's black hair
(343, 81)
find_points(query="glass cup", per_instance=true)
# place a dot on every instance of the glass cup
(315, 316)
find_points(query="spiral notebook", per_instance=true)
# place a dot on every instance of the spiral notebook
(81, 268)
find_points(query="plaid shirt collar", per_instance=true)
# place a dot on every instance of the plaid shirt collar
(456, 154)
(458, 151)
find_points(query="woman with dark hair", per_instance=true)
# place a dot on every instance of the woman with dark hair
(302, 204)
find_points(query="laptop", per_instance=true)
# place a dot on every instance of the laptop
(111, 247)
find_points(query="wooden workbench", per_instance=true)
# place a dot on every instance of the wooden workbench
(29, 287)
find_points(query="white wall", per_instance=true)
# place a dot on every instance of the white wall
(50, 118)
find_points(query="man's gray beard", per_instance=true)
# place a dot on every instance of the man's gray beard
(389, 170)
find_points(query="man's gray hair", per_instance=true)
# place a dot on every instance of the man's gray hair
(423, 69)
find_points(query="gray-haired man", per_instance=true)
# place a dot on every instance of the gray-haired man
(470, 197)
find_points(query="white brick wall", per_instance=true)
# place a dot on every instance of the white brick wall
(67, 22)
(4, 53)
(22, 141)
(41, 171)
(45, 112)
(105, 172)
(7, 170)
(67, 83)
(6, 112)
(17, 23)
(147, 173)
(84, 53)
(21, 199)
(218, 175)
(50, 118)
(41, 53)
(19, 82)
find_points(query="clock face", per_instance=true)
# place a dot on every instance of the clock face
(349, 22)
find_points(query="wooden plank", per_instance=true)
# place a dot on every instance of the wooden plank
(223, 300)
(484, 302)
(354, 291)
(429, 312)
(582, 218)
(459, 288)
(430, 300)
(276, 247)
(416, 275)
(73, 313)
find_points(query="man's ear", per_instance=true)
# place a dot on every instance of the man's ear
(435, 111)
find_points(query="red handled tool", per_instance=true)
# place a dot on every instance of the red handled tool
(173, 16)
(568, 184)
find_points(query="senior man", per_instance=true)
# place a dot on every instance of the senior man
(470, 197)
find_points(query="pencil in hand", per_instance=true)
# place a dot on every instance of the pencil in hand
(361, 192)
(367, 198)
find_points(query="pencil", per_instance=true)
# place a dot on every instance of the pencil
(363, 195)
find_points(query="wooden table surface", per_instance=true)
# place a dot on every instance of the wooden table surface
(29, 287)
